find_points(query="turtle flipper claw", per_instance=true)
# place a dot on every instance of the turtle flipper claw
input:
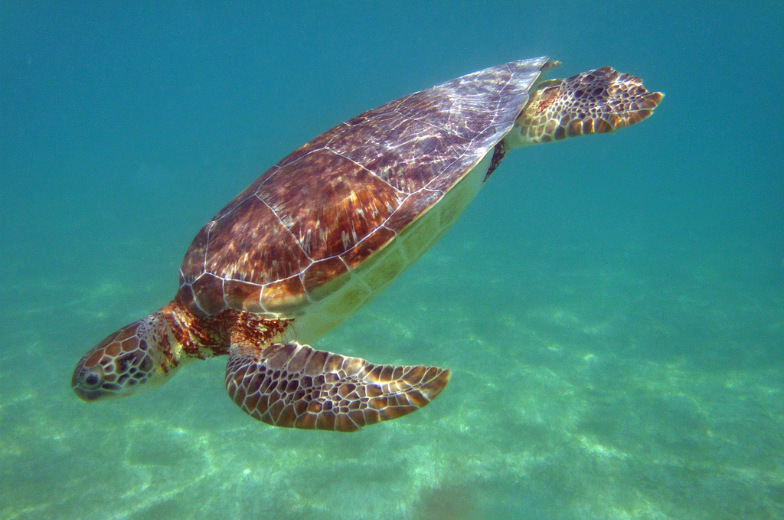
(296, 386)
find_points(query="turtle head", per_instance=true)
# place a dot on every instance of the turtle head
(127, 361)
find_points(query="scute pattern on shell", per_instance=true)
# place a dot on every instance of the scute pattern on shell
(330, 204)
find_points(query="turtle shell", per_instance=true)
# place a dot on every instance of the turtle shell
(315, 222)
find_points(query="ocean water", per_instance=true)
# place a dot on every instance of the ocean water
(611, 308)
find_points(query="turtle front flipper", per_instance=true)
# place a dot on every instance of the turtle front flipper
(296, 386)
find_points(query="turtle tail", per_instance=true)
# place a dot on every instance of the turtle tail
(597, 101)
(296, 386)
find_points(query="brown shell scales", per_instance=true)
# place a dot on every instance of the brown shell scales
(333, 202)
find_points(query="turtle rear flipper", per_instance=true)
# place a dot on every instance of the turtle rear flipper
(296, 386)
(592, 102)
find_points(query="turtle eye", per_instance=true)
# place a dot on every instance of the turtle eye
(91, 379)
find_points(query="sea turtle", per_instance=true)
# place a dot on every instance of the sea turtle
(331, 225)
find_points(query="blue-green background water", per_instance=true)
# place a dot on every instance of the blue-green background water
(612, 307)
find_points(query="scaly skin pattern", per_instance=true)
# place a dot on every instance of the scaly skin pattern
(145, 353)
(306, 388)
(288, 385)
(328, 227)
(597, 101)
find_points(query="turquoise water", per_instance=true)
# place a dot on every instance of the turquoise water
(612, 308)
